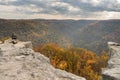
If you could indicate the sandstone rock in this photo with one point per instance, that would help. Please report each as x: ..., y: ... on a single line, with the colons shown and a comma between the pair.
x: 113, y: 70
x: 20, y: 62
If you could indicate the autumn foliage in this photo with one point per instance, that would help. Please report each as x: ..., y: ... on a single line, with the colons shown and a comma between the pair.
x: 79, y: 61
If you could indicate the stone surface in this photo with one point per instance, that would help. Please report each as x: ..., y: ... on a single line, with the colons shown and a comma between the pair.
x: 113, y: 70
x: 20, y: 62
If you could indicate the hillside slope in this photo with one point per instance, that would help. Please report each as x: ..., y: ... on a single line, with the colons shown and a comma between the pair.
x: 90, y: 34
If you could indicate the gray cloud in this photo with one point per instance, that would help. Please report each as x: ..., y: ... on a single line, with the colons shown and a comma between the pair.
x: 96, y: 5
x: 78, y: 8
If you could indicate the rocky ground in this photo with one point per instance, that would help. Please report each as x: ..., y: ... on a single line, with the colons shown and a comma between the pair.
x: 20, y: 62
x: 113, y: 70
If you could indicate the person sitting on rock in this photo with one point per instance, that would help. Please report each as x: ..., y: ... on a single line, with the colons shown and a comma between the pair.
x: 14, y: 38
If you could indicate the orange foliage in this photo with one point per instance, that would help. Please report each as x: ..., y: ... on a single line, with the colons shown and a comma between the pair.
x: 79, y: 61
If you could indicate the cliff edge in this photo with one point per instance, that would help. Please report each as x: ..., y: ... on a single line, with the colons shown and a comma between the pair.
x: 20, y: 62
x: 113, y: 70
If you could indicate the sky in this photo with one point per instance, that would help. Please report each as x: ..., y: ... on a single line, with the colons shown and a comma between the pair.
x: 60, y: 9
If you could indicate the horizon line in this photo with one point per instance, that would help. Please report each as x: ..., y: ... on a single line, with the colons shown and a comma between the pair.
x: 52, y: 19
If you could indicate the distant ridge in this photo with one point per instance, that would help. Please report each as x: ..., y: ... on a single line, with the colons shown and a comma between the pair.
x: 90, y: 34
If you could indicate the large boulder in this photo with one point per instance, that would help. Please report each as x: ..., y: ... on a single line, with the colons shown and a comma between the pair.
x: 20, y: 62
x: 113, y: 70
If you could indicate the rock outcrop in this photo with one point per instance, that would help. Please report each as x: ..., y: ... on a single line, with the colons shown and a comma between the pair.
x: 113, y: 70
x: 20, y: 62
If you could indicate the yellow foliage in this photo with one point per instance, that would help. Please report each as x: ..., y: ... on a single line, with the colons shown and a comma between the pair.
x: 62, y: 65
x: 79, y: 61
x: 4, y: 38
x: 91, y: 61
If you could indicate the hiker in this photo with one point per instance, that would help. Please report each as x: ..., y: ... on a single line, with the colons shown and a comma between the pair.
x: 14, y: 38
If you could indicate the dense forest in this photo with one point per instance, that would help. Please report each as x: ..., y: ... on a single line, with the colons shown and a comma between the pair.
x: 79, y: 61
x: 90, y: 34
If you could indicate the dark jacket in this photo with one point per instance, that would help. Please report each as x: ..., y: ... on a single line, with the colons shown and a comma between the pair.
x: 13, y: 36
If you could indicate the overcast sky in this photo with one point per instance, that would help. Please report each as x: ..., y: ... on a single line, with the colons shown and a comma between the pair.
x: 60, y: 9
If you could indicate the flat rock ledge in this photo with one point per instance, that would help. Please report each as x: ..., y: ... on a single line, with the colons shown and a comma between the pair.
x: 20, y: 62
x: 112, y: 72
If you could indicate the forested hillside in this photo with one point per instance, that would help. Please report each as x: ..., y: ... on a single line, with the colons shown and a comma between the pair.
x: 79, y: 61
x: 90, y: 34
